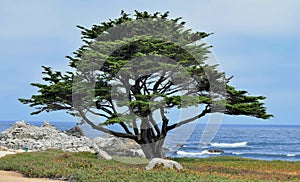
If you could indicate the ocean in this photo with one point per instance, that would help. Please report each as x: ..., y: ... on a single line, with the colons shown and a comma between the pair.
x: 247, y: 141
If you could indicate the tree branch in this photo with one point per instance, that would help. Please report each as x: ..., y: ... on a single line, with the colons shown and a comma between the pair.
x: 166, y: 87
x: 135, y: 129
x: 165, y: 122
x: 154, y: 124
x: 105, y: 130
x: 144, y: 86
x: 97, y: 114
x: 123, y: 125
x: 156, y: 85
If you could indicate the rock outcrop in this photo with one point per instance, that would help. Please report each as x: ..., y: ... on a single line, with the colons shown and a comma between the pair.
x: 216, y: 151
x: 25, y: 136
x: 75, y: 131
x: 119, y: 146
x: 165, y: 163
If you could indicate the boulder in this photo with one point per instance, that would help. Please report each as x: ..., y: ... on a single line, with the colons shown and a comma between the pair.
x: 20, y: 124
x: 75, y: 131
x: 103, y: 155
x: 165, y: 163
x: 119, y: 146
x: 47, y: 124
x: 215, y: 151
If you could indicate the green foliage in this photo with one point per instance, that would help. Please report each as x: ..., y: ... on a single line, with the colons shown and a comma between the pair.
x: 141, y: 63
x: 239, y: 103
x: 85, y: 166
x: 57, y: 95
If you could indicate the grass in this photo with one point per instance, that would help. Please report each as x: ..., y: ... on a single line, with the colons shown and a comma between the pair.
x: 85, y: 166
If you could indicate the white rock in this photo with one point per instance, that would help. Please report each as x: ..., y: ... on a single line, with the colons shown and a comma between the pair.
x: 166, y: 164
x: 84, y: 149
x: 47, y: 124
x: 20, y: 124
x: 102, y: 154
x: 138, y: 153
x: 49, y: 137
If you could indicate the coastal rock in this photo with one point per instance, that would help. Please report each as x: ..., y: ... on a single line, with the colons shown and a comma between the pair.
x: 119, y: 146
x: 20, y: 124
x: 165, y: 163
x: 23, y: 136
x: 103, y: 155
x: 215, y: 151
x: 47, y: 124
x: 75, y: 131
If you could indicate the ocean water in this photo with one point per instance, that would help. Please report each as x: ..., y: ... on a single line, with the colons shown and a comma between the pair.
x: 248, y: 141
x: 256, y: 142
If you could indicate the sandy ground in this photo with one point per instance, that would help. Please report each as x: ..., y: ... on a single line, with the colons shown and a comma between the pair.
x: 8, y: 176
x: 3, y: 153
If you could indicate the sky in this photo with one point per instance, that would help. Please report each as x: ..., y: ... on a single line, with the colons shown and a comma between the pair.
x: 256, y: 41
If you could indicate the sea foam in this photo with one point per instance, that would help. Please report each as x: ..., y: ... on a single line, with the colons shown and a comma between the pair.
x: 229, y: 145
x: 204, y: 152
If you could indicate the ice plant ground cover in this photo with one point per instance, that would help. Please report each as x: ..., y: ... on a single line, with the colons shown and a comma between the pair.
x: 86, y: 167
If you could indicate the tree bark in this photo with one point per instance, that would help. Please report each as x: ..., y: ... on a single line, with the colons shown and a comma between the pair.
x: 154, y: 149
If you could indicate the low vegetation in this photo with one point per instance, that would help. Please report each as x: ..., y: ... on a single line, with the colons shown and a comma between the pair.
x: 87, y: 167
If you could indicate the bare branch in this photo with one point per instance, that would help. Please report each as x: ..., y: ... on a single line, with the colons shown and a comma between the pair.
x: 154, y: 124
x: 156, y: 85
x: 105, y: 130
x: 165, y: 122
x: 122, y: 124
x: 97, y: 114
x: 144, y: 85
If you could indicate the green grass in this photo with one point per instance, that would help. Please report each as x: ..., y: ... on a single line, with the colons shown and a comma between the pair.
x: 86, y: 167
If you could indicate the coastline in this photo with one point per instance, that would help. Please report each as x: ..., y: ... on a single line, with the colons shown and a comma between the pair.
x: 272, y: 142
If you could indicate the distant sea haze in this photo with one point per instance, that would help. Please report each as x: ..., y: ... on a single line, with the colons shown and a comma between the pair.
x: 248, y: 141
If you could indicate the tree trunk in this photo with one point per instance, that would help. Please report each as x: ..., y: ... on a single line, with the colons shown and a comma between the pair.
x: 153, y: 150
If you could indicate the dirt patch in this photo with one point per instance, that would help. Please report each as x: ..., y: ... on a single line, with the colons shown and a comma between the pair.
x: 8, y: 176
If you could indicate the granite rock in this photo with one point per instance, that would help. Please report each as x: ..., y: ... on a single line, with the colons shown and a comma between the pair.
x: 25, y: 136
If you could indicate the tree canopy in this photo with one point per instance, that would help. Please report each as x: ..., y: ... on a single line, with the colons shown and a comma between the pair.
x: 135, y: 68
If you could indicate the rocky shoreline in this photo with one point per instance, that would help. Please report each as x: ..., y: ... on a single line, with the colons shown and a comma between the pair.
x: 25, y: 137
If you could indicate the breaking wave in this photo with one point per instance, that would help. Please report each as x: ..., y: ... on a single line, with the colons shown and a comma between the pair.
x: 204, y: 152
x: 291, y: 155
x: 229, y: 145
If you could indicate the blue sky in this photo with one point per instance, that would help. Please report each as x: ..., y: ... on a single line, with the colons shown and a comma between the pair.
x: 257, y: 41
